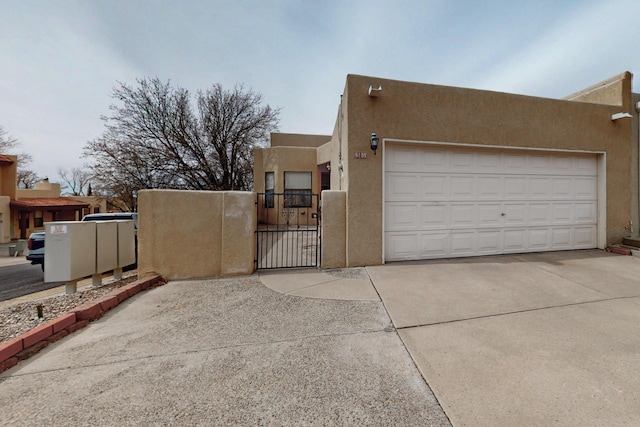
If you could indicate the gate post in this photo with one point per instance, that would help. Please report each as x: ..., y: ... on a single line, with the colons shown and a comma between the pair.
x: 334, y: 229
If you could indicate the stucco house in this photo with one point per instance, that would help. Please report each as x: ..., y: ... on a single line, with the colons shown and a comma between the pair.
x: 463, y: 172
x: 23, y: 211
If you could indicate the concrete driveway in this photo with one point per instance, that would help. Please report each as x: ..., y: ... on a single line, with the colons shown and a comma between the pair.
x: 536, y: 339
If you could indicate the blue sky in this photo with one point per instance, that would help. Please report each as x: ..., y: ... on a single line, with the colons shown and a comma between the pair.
x: 61, y: 59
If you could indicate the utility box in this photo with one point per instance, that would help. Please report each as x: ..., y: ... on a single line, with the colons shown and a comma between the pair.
x: 69, y: 251
x: 126, y: 243
x: 106, y: 246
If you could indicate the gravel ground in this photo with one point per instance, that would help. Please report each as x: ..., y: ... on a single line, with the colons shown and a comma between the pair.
x: 22, y: 317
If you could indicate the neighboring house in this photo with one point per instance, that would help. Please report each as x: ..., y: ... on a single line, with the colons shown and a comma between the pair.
x: 23, y: 211
x: 465, y: 172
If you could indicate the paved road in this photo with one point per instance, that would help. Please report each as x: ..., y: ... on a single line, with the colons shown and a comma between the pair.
x: 22, y: 279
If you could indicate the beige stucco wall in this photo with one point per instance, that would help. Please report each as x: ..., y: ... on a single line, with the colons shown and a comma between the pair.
x: 42, y: 190
x: 613, y: 91
x: 333, y: 241
x: 204, y: 234
x: 421, y: 112
x: 9, y: 177
x: 297, y: 140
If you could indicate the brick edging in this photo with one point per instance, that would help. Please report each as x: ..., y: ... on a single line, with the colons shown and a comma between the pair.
x: 29, y: 343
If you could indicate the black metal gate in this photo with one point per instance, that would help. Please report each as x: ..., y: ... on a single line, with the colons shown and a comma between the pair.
x: 288, y: 234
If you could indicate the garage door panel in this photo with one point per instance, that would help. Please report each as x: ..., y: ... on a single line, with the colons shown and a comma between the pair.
x: 435, y: 216
x: 562, y: 213
x: 515, y: 214
x: 539, y: 164
x: 463, y: 187
x: 515, y: 187
x: 402, y: 217
x: 585, y: 165
x: 489, y: 242
x: 514, y: 163
x: 586, y: 212
x: 490, y: 187
x: 432, y: 161
x: 561, y: 238
x: 463, y: 243
x: 402, y: 246
x: 434, y: 187
x: 489, y: 163
x: 515, y: 240
x: 401, y: 187
x: 585, y: 237
x: 489, y: 214
x: 402, y: 158
x: 447, y: 202
x: 562, y: 188
x: 540, y: 188
x: 540, y: 239
x: 586, y: 188
x: 463, y: 215
x: 563, y: 165
x: 434, y: 244
x: 462, y: 162
x: 540, y: 213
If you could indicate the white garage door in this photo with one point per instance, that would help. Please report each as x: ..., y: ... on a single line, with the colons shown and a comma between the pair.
x: 445, y: 202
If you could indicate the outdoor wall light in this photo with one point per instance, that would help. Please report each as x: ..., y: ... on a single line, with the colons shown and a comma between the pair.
x: 374, y: 142
x: 617, y: 116
x: 373, y: 91
x: 328, y: 165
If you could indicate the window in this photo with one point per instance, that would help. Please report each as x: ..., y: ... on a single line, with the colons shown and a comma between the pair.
x: 269, y: 189
x: 297, y: 189
x: 37, y: 219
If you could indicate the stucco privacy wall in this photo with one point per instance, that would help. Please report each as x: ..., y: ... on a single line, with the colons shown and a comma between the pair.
x: 333, y: 241
x: 191, y: 234
x: 422, y: 112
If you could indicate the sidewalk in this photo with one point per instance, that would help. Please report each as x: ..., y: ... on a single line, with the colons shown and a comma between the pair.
x: 6, y: 259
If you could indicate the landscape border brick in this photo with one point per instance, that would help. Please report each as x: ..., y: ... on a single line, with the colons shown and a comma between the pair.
x: 108, y: 302
x: 63, y: 322
x: 88, y: 311
x: 31, y: 342
x: 37, y: 334
x: 10, y: 348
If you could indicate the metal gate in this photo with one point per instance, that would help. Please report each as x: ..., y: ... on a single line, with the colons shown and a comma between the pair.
x: 288, y: 234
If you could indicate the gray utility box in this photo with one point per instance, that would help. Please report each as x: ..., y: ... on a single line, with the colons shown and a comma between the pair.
x: 69, y: 250
x: 126, y: 243
x: 106, y: 246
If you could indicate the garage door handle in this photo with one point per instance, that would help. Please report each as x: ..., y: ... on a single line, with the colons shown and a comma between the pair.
x: 502, y: 214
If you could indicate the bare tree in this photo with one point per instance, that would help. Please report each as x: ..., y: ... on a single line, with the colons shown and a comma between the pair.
x: 75, y: 181
x: 156, y: 137
x: 26, y: 177
x: 7, y: 143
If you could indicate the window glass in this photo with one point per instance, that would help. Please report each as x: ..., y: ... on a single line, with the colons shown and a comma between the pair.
x: 297, y: 188
x: 37, y: 219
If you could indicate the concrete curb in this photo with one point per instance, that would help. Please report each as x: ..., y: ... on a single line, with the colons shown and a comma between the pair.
x: 29, y: 343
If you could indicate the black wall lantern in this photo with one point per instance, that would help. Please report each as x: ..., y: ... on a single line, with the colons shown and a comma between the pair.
x: 374, y: 142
